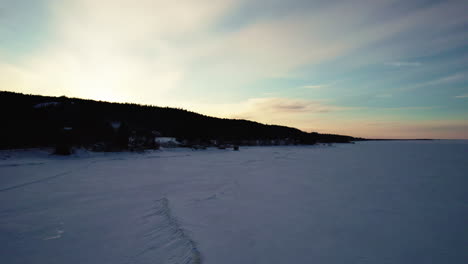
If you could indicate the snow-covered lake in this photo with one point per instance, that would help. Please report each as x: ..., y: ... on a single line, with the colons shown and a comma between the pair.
x: 369, y: 202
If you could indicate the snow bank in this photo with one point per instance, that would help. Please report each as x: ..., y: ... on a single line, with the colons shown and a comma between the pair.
x: 46, y: 104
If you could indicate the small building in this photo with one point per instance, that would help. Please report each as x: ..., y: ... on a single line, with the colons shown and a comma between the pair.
x: 167, y: 142
x: 140, y: 140
x: 64, y: 142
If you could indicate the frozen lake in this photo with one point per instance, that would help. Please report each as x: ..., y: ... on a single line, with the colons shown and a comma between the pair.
x: 369, y: 202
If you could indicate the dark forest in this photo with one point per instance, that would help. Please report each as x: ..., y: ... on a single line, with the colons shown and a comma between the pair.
x: 44, y: 121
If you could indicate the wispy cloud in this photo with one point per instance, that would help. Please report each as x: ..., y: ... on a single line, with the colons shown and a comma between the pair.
x: 404, y: 64
x: 153, y: 46
x: 449, y: 79
x: 317, y: 86
x: 271, y: 110
x: 406, y: 108
x: 280, y: 105
x: 462, y: 96
x: 116, y: 50
x: 286, y: 111
x: 395, y: 128
x: 386, y: 95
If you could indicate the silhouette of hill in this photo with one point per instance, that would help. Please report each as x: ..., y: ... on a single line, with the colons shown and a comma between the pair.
x: 37, y: 121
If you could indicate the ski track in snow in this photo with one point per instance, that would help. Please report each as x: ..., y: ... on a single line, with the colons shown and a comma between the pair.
x: 36, y: 181
x: 59, y: 174
x: 21, y: 185
x: 21, y: 164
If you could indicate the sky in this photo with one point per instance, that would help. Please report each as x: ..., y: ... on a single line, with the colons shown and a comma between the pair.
x: 366, y: 68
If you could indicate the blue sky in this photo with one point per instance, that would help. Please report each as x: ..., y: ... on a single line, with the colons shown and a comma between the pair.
x: 366, y: 68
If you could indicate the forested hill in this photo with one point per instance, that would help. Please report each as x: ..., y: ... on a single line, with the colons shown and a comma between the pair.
x: 33, y: 121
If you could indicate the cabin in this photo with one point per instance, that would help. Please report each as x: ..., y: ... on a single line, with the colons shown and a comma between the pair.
x: 167, y: 142
x: 140, y: 140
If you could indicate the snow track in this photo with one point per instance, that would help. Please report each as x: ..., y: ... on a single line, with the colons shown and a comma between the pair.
x: 166, y: 241
x: 44, y: 179
x: 33, y: 182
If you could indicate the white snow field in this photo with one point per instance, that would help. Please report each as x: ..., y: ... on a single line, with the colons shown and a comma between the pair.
x: 369, y: 202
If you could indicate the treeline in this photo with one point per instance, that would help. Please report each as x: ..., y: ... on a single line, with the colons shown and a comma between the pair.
x: 38, y: 121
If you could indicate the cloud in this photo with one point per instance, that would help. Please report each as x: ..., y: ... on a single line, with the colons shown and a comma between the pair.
x: 404, y: 64
x: 451, y: 78
x: 386, y: 95
x: 154, y: 47
x: 462, y: 96
x: 284, y: 111
x: 392, y: 127
x: 287, y: 105
x: 137, y: 20
x: 115, y: 50
x: 314, y: 86
x: 294, y: 39
x: 446, y: 80
x: 435, y: 129
x: 265, y: 47
x: 270, y: 110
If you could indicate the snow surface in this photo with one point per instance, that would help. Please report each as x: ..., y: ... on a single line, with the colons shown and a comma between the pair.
x: 370, y: 202
x: 46, y: 104
x: 165, y: 139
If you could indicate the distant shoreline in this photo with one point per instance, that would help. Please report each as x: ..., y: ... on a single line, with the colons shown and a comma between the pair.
x: 403, y: 139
